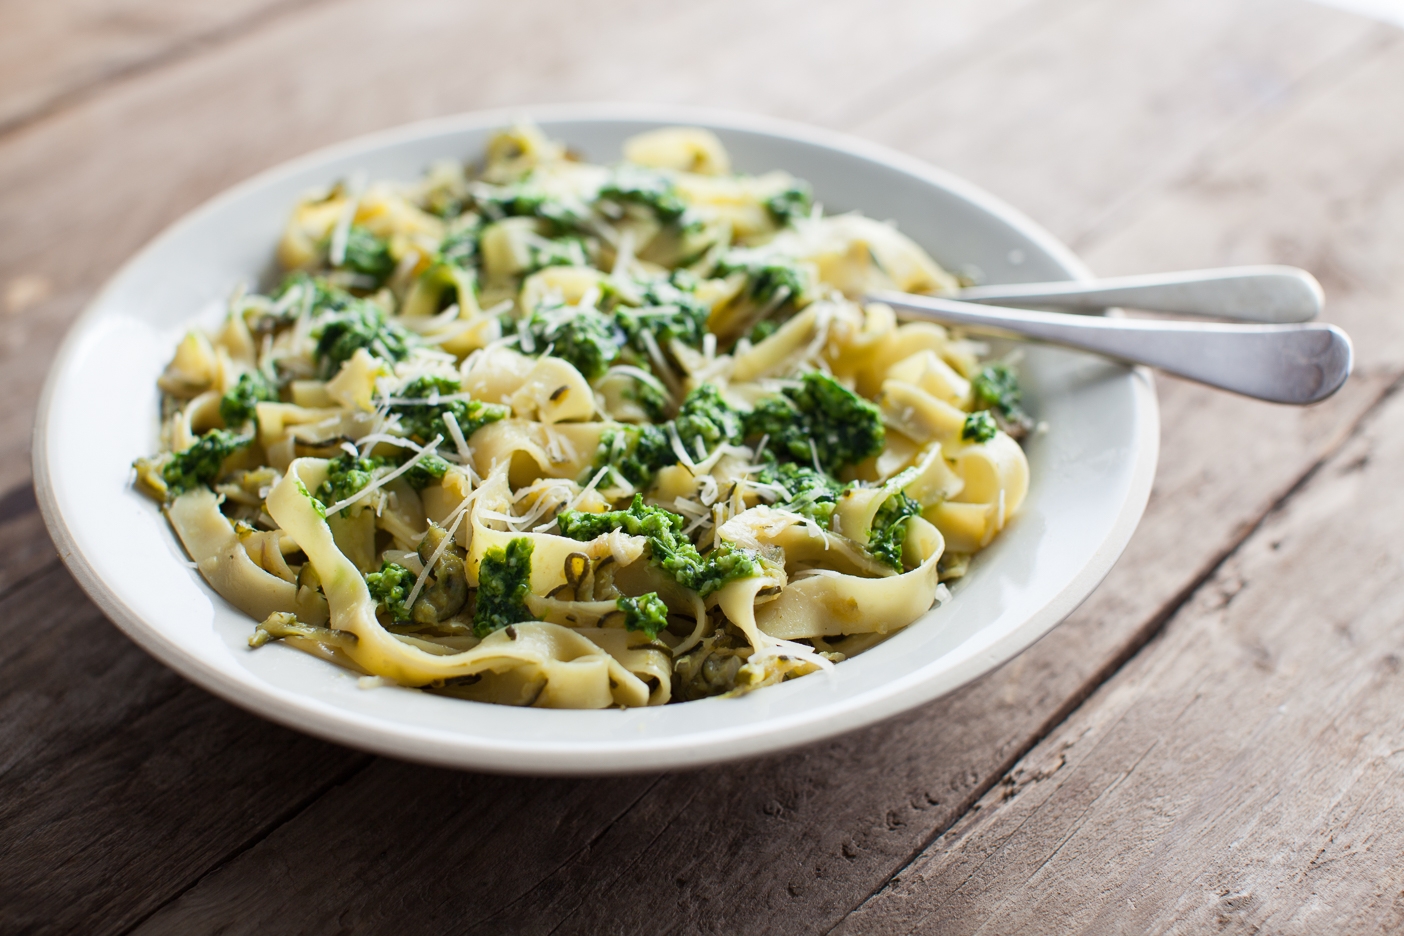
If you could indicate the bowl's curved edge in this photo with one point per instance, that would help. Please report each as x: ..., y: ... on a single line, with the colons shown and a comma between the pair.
x: 340, y: 727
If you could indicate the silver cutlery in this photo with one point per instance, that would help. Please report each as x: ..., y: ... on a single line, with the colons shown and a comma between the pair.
x: 1274, y: 294
x: 1282, y: 363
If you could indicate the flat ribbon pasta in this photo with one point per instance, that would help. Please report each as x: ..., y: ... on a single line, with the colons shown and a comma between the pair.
x: 827, y: 604
x: 222, y: 559
x: 577, y: 672
x: 538, y: 432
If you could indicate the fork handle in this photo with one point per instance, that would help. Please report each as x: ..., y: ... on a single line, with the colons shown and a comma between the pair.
x: 1296, y: 364
x: 1275, y: 294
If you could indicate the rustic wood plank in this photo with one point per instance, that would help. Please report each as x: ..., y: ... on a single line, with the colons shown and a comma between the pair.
x: 104, y: 176
x: 827, y: 838
x: 55, y: 51
x: 1242, y: 773
x: 1276, y: 195
x: 72, y: 214
x: 25, y: 547
x: 120, y: 783
x: 1113, y: 99
x: 753, y: 847
x: 797, y: 838
x: 1318, y: 187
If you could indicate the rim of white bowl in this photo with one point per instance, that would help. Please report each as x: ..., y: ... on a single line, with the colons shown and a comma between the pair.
x: 311, y: 716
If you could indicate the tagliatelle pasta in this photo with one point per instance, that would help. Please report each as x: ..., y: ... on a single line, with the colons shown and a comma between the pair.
x: 541, y: 432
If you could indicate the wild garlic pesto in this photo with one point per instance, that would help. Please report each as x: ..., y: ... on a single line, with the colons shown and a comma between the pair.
x: 536, y: 431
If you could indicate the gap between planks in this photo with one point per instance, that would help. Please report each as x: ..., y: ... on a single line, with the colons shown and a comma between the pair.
x: 178, y: 50
x: 1139, y: 639
x: 345, y: 775
x: 1150, y: 813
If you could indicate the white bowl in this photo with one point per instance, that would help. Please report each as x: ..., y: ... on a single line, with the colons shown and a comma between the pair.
x: 1091, y: 470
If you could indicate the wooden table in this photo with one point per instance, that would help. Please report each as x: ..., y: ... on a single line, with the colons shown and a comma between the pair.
x: 1213, y: 741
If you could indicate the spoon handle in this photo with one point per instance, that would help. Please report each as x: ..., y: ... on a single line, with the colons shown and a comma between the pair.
x: 1297, y: 364
x: 1273, y: 294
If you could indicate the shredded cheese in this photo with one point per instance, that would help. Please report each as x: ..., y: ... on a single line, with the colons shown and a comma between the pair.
x: 385, y: 479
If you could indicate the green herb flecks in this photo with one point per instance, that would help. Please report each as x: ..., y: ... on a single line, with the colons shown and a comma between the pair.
x: 368, y: 255
x: 587, y: 339
x: 842, y: 427
x: 645, y: 613
x: 890, y: 529
x: 669, y: 549
x: 390, y: 587
x: 201, y: 464
x: 239, y: 402
x: 979, y: 427
x: 421, y: 422
x: 504, y: 580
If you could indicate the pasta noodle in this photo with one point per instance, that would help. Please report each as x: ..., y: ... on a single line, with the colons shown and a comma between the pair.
x: 541, y: 432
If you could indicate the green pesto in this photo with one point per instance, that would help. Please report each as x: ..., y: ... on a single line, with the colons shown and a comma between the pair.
x: 705, y: 415
x: 650, y: 399
x: 979, y: 427
x: 390, y: 587
x: 526, y: 200
x: 636, y: 452
x: 769, y: 278
x: 646, y: 449
x: 460, y: 248
x: 237, y: 406
x: 317, y: 293
x: 563, y: 251
x: 346, y: 476
x: 638, y: 186
x: 422, y: 421
x: 587, y: 339
x: 368, y: 255
x: 356, y: 324
x: 995, y: 387
x: 843, y: 427
x: 504, y: 579
x: 321, y: 512
x: 425, y: 472
x: 201, y: 463
x: 669, y: 549
x: 812, y: 494
x: 669, y: 310
x: 890, y: 529
x: 794, y: 202
x: 645, y: 613
x: 762, y: 330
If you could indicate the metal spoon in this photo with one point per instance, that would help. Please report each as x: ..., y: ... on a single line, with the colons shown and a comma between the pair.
x: 1280, y: 363
x: 1274, y: 294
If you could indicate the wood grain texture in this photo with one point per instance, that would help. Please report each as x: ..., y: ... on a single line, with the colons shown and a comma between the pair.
x: 1111, y: 100
x: 1320, y: 185
x: 801, y: 837
x: 756, y: 847
x: 780, y: 845
x: 54, y: 51
x: 1243, y: 774
x: 119, y: 782
x: 25, y: 547
x: 86, y: 188
x: 1274, y: 195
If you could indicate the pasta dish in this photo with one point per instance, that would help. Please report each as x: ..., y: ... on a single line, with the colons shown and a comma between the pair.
x: 536, y: 431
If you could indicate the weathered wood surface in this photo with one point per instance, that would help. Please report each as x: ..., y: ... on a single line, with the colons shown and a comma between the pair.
x: 130, y: 794
x: 1242, y: 773
x: 104, y: 753
x: 1217, y: 794
x: 52, y: 53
